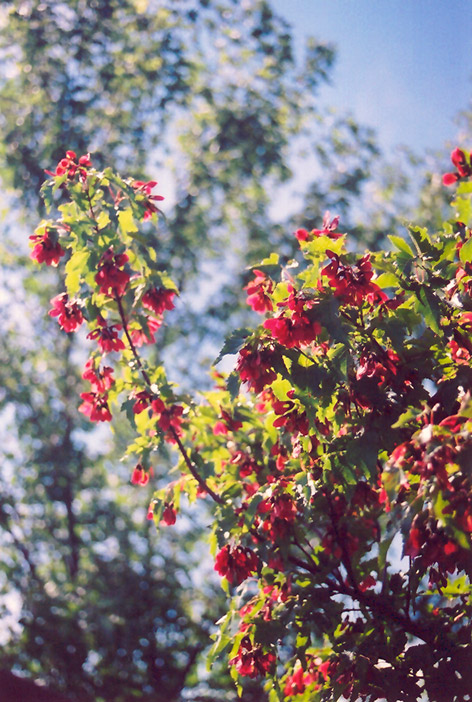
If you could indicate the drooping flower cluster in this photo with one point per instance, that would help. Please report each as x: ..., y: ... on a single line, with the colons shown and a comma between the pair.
x: 111, y: 278
x: 106, y: 336
x: 256, y: 366
x: 101, y: 380
x: 140, y: 476
x: 251, y: 660
x: 95, y: 406
x: 462, y: 162
x: 148, y: 199
x: 258, y: 292
x: 296, y: 324
x: 68, y: 312
x: 158, y: 300
x: 71, y: 167
x: 235, y: 563
x: 329, y: 229
x: 353, y: 284
x: 46, y: 248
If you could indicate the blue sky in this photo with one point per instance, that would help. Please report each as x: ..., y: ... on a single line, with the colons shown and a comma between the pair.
x: 403, y: 67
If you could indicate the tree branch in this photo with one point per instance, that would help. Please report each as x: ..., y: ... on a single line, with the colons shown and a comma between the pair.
x: 188, y: 462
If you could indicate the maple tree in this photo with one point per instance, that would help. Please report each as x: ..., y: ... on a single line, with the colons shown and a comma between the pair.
x: 339, y: 471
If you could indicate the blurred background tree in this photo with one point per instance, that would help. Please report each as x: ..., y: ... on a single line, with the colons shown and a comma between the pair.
x: 209, y: 96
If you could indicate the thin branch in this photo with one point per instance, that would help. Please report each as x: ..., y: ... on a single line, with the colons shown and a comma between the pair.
x: 192, y: 468
x: 188, y: 462
x: 92, y: 213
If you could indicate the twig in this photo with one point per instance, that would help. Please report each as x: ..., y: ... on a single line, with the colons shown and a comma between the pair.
x: 203, y: 484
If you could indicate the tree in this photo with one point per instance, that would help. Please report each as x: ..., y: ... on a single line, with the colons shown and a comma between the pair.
x: 234, y: 158
x: 107, y: 609
x: 86, y: 77
x: 116, y: 77
x: 353, y: 438
x: 111, y: 73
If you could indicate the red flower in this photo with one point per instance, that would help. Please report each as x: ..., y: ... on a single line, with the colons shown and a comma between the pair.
x: 247, y: 464
x: 329, y: 228
x: 158, y: 300
x: 95, y: 406
x: 101, y: 380
x: 381, y: 368
x: 294, y: 420
x: 302, y: 234
x: 46, y: 250
x: 255, y: 367
x: 368, y: 582
x: 459, y: 354
x: 111, y: 277
x: 171, y: 417
x: 295, y: 684
x: 106, y: 336
x: 300, y: 679
x: 169, y: 515
x: 226, y: 424
x: 168, y: 418
x: 251, y: 661
x: 69, y: 165
x: 143, y: 401
x: 235, y: 563
x: 280, y: 512
x: 258, y: 291
x: 462, y: 163
x: 294, y: 327
x: 353, y: 284
x: 158, y: 406
x: 140, y: 336
x: 139, y: 475
x: 69, y: 314
x: 146, y: 189
x: 297, y: 331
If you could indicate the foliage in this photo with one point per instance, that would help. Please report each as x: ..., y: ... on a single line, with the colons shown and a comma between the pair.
x: 217, y: 89
x: 107, y: 608
x: 105, y: 75
x: 351, y: 439
x: 134, y: 81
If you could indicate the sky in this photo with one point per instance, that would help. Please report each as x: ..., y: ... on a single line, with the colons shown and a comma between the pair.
x: 403, y: 67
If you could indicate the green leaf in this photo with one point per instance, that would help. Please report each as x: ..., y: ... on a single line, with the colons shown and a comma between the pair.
x: 384, y: 546
x: 387, y: 280
x: 463, y: 209
x: 429, y: 305
x: 464, y: 188
x: 75, y: 267
x: 459, y: 586
x: 407, y: 416
x: 401, y: 245
x: 163, y: 280
x: 233, y: 343
x: 47, y: 195
x: 421, y: 238
x: 233, y: 383
x: 103, y: 219
x: 127, y: 223
x: 465, y: 254
x: 321, y: 244
x: 270, y: 265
